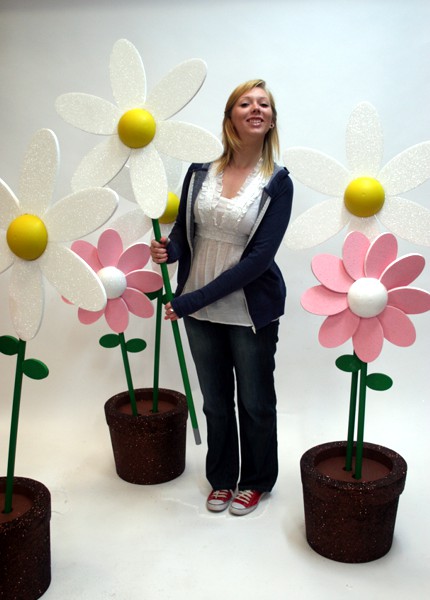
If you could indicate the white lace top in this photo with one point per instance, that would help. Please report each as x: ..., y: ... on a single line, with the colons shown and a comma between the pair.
x: 223, y: 226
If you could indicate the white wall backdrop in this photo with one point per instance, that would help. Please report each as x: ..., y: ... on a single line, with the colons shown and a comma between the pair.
x: 320, y: 58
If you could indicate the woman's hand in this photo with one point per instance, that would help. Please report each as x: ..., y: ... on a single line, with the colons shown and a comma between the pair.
x: 159, y: 251
x: 170, y: 314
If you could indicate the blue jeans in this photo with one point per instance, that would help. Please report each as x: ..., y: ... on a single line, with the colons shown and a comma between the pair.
x: 223, y: 355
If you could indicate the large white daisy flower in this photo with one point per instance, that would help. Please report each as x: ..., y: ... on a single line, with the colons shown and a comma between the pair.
x: 366, y: 193
x: 31, y: 232
x: 134, y: 224
x: 138, y: 127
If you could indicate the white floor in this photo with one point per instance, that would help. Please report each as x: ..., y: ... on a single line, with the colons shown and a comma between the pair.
x: 114, y: 540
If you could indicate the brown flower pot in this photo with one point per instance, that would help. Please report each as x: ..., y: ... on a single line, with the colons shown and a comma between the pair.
x: 148, y: 448
x: 25, y: 548
x: 351, y: 520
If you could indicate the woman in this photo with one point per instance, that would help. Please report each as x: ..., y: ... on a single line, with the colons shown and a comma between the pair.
x: 232, y: 218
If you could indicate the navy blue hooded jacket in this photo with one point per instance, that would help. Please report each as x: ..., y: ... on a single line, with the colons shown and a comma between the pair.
x: 257, y: 273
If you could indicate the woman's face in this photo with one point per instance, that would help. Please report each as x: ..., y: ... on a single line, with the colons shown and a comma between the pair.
x: 252, y: 114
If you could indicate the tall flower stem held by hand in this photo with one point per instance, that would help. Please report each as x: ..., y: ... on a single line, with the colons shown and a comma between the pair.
x: 178, y: 342
x: 158, y: 316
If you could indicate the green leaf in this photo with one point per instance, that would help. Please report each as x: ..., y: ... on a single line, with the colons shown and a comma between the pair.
x: 350, y: 363
x: 153, y: 295
x: 8, y: 345
x: 135, y: 345
x: 379, y: 382
x: 110, y: 340
x: 35, y: 369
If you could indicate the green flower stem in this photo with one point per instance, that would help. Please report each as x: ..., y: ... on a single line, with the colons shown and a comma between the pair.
x: 128, y: 374
x: 179, y: 348
x: 360, y: 423
x: 351, y: 421
x: 19, y: 373
x: 157, y: 352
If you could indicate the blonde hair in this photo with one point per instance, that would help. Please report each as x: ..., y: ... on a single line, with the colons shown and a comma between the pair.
x: 231, y: 140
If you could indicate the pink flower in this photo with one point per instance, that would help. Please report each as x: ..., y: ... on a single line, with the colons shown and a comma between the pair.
x: 123, y: 277
x: 365, y: 295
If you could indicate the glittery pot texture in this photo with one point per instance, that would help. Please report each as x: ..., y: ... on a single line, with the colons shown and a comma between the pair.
x: 351, y: 521
x: 148, y: 448
x: 25, y: 548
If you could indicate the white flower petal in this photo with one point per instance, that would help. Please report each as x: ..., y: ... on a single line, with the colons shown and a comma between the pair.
x: 317, y: 170
x: 101, y: 164
x: 132, y: 226
x: 317, y: 224
x: 72, y: 277
x: 407, y: 219
x: 26, y: 298
x: 7, y: 257
x: 89, y: 113
x: 173, y: 168
x: 364, y: 141
x: 367, y: 225
x: 407, y: 170
x: 149, y: 182
x: 176, y: 89
x: 80, y: 213
x: 39, y: 172
x: 127, y: 76
x: 187, y: 142
x: 9, y: 205
x: 121, y: 184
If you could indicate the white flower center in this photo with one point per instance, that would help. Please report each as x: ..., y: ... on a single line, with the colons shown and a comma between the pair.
x: 113, y: 281
x: 367, y: 297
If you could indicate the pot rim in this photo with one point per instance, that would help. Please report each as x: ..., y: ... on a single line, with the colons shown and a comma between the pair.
x: 178, y: 407
x: 37, y: 493
x: 391, y: 459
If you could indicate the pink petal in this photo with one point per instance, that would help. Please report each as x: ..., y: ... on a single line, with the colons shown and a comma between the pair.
x: 321, y: 301
x: 133, y: 258
x: 138, y: 303
x: 368, y: 339
x: 354, y: 252
x: 110, y: 248
x: 337, y: 329
x: 329, y: 270
x: 403, y: 271
x: 145, y: 281
x: 382, y: 252
x: 116, y: 314
x: 398, y: 328
x: 88, y: 253
x: 87, y: 317
x: 411, y: 301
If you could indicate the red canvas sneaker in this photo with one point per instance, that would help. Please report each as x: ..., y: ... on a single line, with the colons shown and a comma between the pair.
x: 218, y: 500
x: 245, y: 502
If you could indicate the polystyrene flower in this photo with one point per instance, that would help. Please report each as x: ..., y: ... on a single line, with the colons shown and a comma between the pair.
x: 366, y: 295
x: 364, y: 194
x: 134, y: 224
x: 33, y: 232
x: 138, y: 127
x: 123, y: 277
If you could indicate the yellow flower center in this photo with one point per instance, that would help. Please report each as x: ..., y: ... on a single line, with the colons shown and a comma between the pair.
x: 136, y: 128
x: 27, y: 237
x: 364, y: 197
x: 172, y: 206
